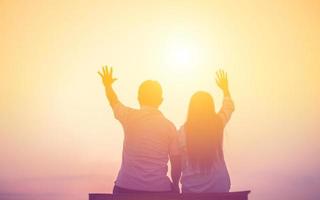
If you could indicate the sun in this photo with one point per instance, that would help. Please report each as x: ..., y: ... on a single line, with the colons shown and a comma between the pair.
x: 182, y: 55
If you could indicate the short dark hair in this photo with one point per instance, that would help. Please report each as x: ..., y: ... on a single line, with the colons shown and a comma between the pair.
x: 150, y: 93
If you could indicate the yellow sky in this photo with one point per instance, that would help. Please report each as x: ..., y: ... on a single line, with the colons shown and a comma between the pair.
x: 57, y: 129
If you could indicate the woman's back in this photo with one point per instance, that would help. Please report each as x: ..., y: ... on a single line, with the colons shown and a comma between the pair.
x: 195, y: 180
x: 201, y: 142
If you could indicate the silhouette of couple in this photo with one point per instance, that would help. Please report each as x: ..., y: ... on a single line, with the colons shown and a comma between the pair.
x: 150, y: 140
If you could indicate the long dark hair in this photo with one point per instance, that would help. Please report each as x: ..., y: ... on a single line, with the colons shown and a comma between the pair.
x: 203, y: 130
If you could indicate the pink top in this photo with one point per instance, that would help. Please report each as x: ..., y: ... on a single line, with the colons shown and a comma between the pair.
x: 217, y: 179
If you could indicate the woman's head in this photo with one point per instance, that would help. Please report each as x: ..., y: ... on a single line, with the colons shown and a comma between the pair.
x: 201, y: 105
x: 203, y: 131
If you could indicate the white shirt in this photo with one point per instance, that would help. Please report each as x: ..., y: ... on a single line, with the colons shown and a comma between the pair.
x: 149, y: 139
x: 217, y: 179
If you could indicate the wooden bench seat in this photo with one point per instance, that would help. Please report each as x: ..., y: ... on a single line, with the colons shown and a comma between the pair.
x: 242, y: 195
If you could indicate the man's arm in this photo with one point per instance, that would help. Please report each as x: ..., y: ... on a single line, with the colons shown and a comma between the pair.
x: 108, y: 80
x: 175, y: 172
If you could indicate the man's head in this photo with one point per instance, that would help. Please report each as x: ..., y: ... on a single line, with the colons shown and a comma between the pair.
x: 150, y: 94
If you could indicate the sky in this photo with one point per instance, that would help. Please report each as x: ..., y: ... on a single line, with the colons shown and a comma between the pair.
x: 59, y: 138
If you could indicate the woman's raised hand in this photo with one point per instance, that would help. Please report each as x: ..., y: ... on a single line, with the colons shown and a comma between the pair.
x: 222, y: 80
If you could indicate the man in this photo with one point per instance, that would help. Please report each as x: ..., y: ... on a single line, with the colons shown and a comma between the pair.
x: 149, y: 141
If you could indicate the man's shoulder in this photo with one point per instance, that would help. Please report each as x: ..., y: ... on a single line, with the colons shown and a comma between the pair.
x: 165, y: 119
x: 123, y: 113
x: 170, y: 124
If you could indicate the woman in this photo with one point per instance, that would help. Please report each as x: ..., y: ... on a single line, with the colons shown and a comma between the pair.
x: 201, y: 141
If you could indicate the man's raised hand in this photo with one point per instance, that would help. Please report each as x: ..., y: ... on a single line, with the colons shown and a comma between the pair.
x: 106, y: 76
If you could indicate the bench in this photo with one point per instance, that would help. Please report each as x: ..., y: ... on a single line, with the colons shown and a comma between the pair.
x: 242, y: 195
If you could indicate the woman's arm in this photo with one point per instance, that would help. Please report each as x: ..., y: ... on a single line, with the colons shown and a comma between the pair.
x: 222, y: 82
x: 227, y: 106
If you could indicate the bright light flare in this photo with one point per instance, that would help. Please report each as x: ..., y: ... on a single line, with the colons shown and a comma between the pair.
x: 182, y: 55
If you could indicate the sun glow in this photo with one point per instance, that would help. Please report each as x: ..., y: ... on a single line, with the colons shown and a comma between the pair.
x: 182, y: 55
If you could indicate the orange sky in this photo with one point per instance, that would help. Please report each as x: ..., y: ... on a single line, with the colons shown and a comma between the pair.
x: 58, y: 134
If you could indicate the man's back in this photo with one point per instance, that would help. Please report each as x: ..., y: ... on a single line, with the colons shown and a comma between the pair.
x: 149, y: 138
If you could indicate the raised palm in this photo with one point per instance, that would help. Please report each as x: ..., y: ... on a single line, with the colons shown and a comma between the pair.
x: 106, y: 76
x: 222, y: 80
